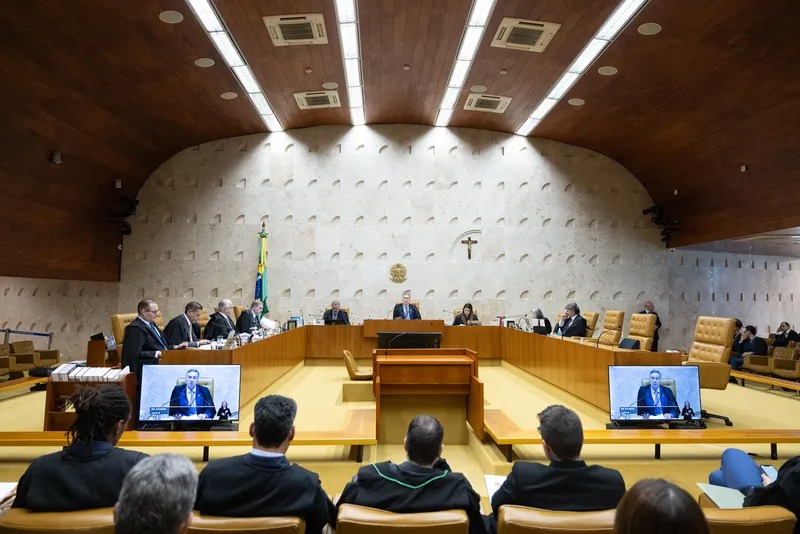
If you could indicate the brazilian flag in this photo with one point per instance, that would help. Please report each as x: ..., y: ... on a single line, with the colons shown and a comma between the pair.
x: 261, y: 272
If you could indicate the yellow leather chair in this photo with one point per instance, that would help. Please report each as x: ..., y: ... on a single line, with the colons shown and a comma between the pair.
x: 202, y: 322
x: 612, y: 326
x: 523, y: 520
x: 43, y: 358
x: 120, y: 321
x: 345, y: 309
x: 21, y: 521
x: 642, y: 327
x: 17, y: 363
x: 591, y: 322
x: 355, y: 372
x: 207, y: 524
x: 710, y: 351
x: 786, y: 364
x: 237, y: 311
x: 354, y: 519
x: 750, y: 520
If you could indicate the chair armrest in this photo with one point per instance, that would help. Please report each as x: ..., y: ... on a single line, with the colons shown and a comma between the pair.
x: 26, y: 357
x: 756, y: 359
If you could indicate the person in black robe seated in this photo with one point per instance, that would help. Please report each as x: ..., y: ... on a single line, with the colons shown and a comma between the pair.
x: 89, y: 472
x: 336, y: 315
x: 571, y: 323
x: 548, y: 328
x: 224, y: 413
x: 249, y: 318
x: 184, y: 328
x: 784, y: 335
x: 424, y: 483
x: 220, y: 324
x: 467, y: 317
x: 263, y: 483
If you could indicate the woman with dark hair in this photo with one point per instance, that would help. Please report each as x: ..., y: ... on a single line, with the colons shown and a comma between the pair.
x: 224, y: 412
x: 687, y: 413
x: 656, y: 506
x: 467, y: 317
x: 89, y: 471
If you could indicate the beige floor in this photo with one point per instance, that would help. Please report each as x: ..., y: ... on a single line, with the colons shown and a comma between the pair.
x: 317, y: 390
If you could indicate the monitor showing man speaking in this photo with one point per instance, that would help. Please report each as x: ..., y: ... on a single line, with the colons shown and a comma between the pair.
x: 190, y: 392
x: 669, y: 392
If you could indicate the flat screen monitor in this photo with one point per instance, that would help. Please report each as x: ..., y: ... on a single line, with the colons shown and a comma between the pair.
x: 409, y: 340
x: 167, y: 393
x: 642, y: 393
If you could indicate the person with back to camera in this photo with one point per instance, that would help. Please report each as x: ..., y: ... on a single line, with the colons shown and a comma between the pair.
x: 567, y: 483
x: 191, y: 399
x: 467, y: 317
x: 224, y: 412
x: 537, y: 314
x: 655, y: 506
x: 89, y: 471
x: 654, y: 400
x: 687, y: 413
x: 571, y: 323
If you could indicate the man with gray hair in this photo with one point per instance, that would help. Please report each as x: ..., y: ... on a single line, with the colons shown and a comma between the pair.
x: 571, y: 323
x: 263, y: 483
x: 249, y: 319
x: 336, y: 315
x: 157, y: 496
x: 220, y: 324
x: 566, y: 484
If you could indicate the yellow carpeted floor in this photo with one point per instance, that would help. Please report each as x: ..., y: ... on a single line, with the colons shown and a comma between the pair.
x: 318, y: 392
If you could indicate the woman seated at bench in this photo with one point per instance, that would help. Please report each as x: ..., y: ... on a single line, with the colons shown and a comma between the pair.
x: 88, y: 473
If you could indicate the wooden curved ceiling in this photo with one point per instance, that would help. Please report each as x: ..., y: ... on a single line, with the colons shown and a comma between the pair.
x: 116, y: 91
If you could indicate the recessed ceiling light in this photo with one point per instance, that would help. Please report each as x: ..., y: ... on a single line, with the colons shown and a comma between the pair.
x: 608, y: 70
x: 650, y: 28
x: 170, y: 17
x: 576, y: 101
x: 478, y: 88
x: 330, y: 85
x: 406, y: 67
x: 308, y: 70
x: 503, y: 72
x: 229, y: 95
x: 204, y: 62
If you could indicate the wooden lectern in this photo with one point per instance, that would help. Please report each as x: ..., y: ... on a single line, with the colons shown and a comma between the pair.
x: 433, y: 381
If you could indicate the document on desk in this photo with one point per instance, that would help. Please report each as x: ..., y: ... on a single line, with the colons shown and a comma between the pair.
x: 5, y: 490
x: 726, y: 498
x: 493, y: 483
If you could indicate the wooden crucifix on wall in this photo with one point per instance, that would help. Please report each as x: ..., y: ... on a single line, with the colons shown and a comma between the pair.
x: 469, y: 242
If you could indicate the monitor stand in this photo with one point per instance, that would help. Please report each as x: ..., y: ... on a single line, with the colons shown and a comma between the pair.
x: 691, y: 424
x: 183, y: 426
x: 635, y: 425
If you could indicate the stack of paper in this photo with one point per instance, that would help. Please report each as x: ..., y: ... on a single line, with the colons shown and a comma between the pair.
x: 71, y: 372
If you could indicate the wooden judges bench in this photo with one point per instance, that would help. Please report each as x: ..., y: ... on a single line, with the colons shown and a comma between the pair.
x: 579, y: 368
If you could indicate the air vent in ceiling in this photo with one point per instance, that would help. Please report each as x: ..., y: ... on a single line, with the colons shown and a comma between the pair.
x: 521, y: 34
x: 318, y: 99
x: 487, y: 103
x: 290, y: 30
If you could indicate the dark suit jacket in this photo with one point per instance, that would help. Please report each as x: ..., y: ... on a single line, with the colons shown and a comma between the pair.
x: 658, y: 323
x: 246, y: 321
x: 459, y: 320
x: 177, y: 330
x: 784, y: 491
x: 409, y: 488
x: 577, y: 328
x: 219, y: 324
x: 756, y: 345
x: 341, y: 316
x: 565, y: 486
x: 254, y: 486
x: 782, y: 340
x: 76, y: 478
x: 140, y: 346
x: 179, y: 404
x: 398, y: 312
x: 644, y: 401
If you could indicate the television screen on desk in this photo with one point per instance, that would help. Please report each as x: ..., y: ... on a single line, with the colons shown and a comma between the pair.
x: 165, y: 395
x: 639, y: 393
x: 409, y: 340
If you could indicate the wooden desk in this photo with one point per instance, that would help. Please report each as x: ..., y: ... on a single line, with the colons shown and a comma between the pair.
x: 425, y: 376
x: 373, y: 326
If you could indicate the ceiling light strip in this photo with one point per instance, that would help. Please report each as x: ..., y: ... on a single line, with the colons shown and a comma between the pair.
x: 347, y: 17
x: 624, y: 12
x: 215, y: 28
x: 479, y: 16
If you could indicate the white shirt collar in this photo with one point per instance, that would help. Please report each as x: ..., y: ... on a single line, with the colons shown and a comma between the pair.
x: 265, y: 454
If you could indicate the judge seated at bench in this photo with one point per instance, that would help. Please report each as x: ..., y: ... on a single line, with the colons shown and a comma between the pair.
x: 467, y: 317
x: 249, y: 318
x: 571, y: 323
x: 184, y: 327
x: 191, y: 400
x: 656, y: 400
x: 336, y: 315
x: 406, y: 310
x: 220, y: 324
